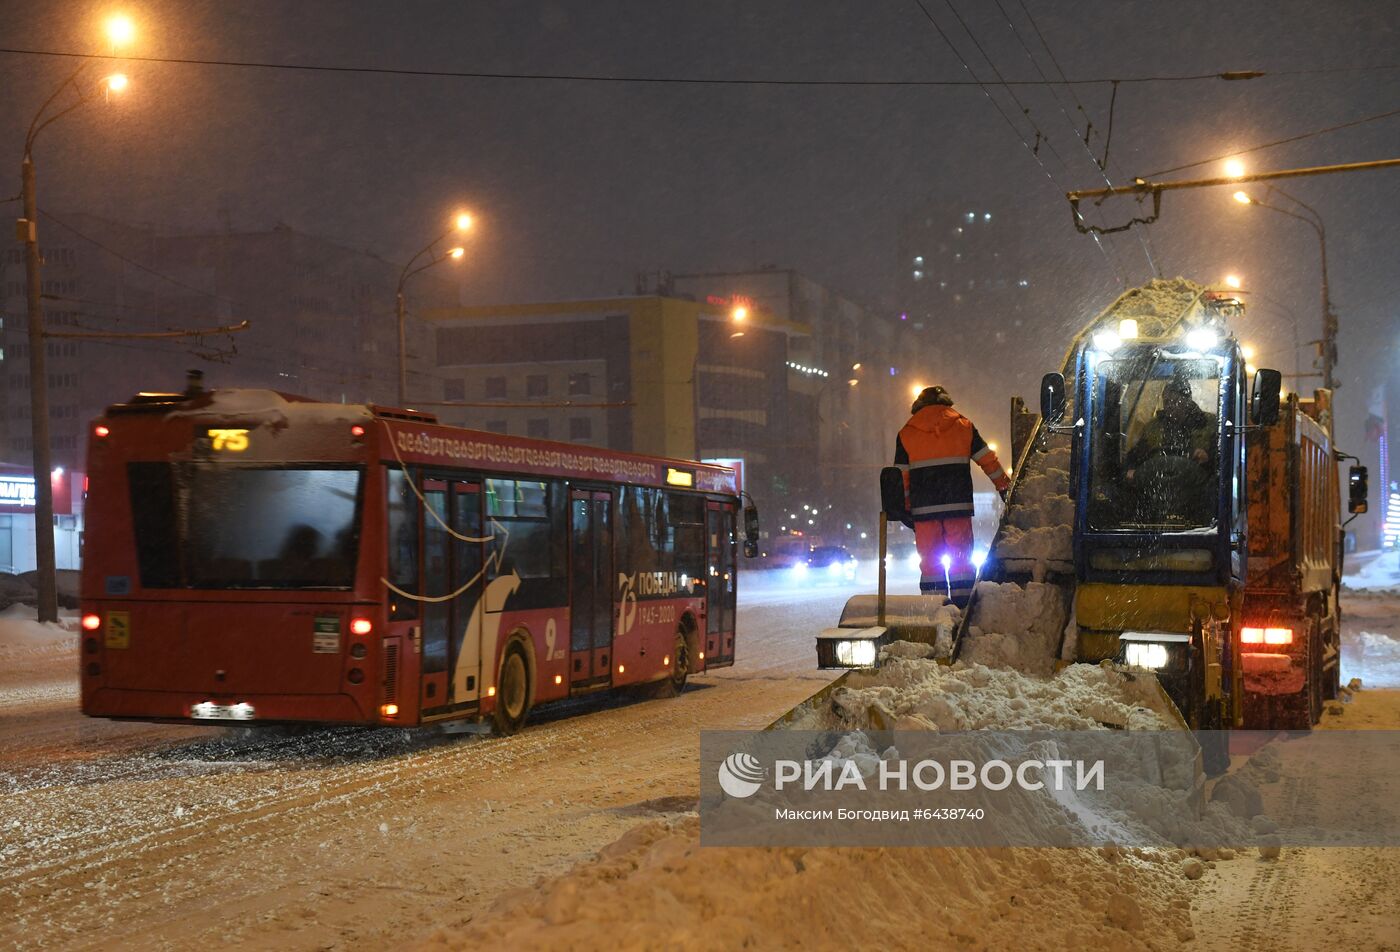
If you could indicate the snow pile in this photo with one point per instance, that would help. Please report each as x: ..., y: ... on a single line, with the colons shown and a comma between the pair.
x: 1037, y: 526
x: 20, y: 634
x: 22, y: 589
x: 1374, y: 658
x: 917, y: 693
x: 1016, y: 627
x: 1381, y: 575
x: 656, y: 888
x: 1157, y: 305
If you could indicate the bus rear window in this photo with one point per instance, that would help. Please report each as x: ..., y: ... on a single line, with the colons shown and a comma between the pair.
x: 243, y: 527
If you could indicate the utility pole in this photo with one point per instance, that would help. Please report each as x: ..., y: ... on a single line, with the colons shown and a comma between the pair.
x: 45, y: 563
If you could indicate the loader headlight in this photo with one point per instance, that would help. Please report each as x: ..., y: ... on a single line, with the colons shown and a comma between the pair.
x: 1146, y: 656
x: 855, y: 654
x: 1154, y: 650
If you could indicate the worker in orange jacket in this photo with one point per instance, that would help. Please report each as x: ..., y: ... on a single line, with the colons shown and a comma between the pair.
x: 934, y: 449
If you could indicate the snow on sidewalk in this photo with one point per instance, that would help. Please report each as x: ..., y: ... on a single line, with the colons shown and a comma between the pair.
x: 21, y: 634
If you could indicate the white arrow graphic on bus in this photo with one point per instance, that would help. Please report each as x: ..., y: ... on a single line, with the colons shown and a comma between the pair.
x: 486, y: 619
x: 483, y: 630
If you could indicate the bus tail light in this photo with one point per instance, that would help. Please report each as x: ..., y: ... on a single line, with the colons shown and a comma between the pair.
x: 357, y: 431
x: 389, y: 710
x: 1266, y: 636
x: 361, y: 626
x: 101, y: 431
x: 92, y: 622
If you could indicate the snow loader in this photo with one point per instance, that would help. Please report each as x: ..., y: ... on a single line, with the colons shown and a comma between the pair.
x: 1208, y: 550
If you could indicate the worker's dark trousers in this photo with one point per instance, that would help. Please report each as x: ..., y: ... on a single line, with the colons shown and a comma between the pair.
x: 951, y: 537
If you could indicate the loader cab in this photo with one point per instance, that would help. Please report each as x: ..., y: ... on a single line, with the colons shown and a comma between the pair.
x: 1159, y: 462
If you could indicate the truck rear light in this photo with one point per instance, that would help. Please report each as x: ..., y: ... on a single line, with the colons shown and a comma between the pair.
x: 1266, y: 636
x: 101, y: 430
x: 361, y: 626
x: 389, y: 710
x: 92, y: 622
x: 357, y: 431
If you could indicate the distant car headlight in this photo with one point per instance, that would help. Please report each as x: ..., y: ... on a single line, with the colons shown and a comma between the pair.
x: 834, y: 568
x: 914, y: 561
x: 800, y: 568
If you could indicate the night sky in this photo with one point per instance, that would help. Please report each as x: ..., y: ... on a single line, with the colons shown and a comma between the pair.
x: 578, y: 186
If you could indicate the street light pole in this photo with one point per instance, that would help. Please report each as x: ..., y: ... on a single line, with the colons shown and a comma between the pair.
x: 1329, y: 317
x: 44, y: 560
x: 464, y: 222
x: 45, y: 563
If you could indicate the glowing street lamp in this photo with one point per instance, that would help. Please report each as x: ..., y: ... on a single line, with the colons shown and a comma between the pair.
x: 120, y: 29
x: 116, y: 82
x: 739, y: 314
x: 1243, y: 198
x: 1234, y: 168
x: 916, y: 389
x: 463, y: 222
x: 1233, y: 281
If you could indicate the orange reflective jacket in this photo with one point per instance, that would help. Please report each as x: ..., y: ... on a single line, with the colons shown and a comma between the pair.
x: 934, y: 449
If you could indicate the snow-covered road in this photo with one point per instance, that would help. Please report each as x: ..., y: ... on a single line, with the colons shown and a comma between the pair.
x: 163, y: 836
x: 159, y: 836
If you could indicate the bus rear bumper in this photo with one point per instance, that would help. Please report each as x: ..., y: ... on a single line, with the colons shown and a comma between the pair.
x: 226, y: 710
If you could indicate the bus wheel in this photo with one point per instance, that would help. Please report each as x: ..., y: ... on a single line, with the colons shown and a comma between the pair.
x: 513, y: 692
x: 674, y: 683
x: 680, y: 670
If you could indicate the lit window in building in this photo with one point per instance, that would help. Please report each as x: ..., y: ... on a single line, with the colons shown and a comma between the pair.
x: 918, y: 262
x: 1023, y: 283
x: 987, y: 216
x: 971, y: 216
x: 918, y: 275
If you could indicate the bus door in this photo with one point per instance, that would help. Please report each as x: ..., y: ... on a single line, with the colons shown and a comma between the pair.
x: 720, y: 584
x: 451, y: 571
x: 590, y: 588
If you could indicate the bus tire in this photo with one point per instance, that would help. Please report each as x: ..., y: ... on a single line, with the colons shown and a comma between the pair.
x: 674, y: 683
x: 512, y: 691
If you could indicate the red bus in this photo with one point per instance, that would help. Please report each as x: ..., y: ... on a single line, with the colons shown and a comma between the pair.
x: 258, y: 557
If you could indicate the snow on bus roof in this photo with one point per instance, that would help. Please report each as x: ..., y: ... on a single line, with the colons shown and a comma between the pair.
x: 268, y: 408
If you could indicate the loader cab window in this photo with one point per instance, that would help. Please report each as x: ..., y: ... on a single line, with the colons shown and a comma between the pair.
x: 1154, y: 463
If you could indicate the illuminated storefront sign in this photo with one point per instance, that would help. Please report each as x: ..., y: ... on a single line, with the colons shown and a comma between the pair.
x: 16, y: 492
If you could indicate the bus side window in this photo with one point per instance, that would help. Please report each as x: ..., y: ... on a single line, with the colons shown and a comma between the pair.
x: 403, y: 544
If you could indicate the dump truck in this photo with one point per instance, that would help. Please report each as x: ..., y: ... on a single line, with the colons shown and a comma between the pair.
x: 1290, y: 637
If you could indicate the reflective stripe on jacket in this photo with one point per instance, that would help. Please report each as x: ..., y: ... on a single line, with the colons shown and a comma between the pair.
x: 934, y: 449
